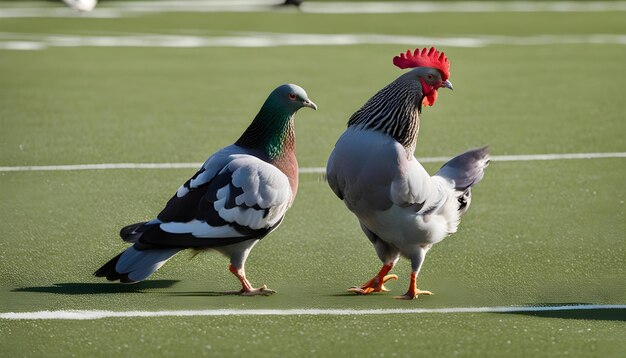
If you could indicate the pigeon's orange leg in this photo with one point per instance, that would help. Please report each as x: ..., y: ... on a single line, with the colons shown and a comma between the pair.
x: 413, y: 291
x: 377, y: 283
x: 247, y: 289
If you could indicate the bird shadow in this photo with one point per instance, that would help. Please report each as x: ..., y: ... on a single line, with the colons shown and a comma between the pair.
x: 200, y: 294
x: 347, y: 294
x: 81, y: 288
x: 596, y: 314
x: 209, y: 294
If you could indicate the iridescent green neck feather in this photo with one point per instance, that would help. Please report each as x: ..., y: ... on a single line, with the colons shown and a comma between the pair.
x: 271, y: 131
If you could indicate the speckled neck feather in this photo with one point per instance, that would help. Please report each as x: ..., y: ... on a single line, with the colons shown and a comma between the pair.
x: 394, y: 110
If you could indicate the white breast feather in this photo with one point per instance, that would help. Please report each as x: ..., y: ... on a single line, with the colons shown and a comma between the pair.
x: 200, y: 229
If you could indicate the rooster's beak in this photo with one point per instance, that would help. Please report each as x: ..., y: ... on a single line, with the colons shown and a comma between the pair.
x: 310, y: 104
x: 447, y: 84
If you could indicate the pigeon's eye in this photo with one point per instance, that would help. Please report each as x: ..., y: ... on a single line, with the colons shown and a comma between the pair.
x: 292, y: 96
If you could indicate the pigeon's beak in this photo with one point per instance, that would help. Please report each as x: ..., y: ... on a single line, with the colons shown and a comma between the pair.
x: 447, y: 84
x: 309, y: 103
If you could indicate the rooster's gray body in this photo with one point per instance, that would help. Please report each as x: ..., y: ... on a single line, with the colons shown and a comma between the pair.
x: 402, y: 210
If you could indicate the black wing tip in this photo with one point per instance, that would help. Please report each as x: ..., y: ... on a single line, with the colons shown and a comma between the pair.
x: 121, y: 277
x: 129, y: 230
x: 108, y: 270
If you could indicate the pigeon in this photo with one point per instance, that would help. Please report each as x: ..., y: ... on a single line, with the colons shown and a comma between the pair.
x: 402, y: 210
x: 238, y: 196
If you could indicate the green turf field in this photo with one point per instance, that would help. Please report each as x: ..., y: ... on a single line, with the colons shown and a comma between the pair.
x: 538, y: 232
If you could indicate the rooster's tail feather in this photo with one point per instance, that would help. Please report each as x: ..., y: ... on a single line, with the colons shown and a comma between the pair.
x: 466, y: 169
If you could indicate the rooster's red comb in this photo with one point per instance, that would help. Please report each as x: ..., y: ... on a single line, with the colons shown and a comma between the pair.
x: 424, y: 58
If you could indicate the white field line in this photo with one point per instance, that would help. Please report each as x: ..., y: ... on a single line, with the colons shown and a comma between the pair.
x: 304, y: 170
x: 104, y: 166
x: 137, y: 8
x: 17, y: 41
x: 400, y: 7
x: 97, y: 314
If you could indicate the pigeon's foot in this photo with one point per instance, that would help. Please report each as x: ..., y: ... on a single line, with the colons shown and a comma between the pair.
x: 261, y: 291
x: 247, y: 289
x: 413, y: 294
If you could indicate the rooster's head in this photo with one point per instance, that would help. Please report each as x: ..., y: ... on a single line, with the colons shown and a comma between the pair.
x: 432, y: 69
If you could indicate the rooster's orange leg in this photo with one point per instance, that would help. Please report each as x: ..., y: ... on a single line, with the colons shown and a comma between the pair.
x: 247, y: 289
x: 413, y: 291
x: 416, y: 264
x: 376, y: 284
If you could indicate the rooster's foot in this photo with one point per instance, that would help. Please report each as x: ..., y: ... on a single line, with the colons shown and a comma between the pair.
x: 373, y: 285
x: 411, y: 295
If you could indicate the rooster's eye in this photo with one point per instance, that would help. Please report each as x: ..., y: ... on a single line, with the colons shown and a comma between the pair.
x: 292, y: 96
x: 430, y: 76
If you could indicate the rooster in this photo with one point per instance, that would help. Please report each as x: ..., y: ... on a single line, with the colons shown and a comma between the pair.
x: 401, y: 208
x: 239, y: 195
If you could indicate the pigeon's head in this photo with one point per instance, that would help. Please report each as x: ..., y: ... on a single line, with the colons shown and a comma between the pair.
x: 272, y: 130
x: 430, y: 67
x: 291, y: 98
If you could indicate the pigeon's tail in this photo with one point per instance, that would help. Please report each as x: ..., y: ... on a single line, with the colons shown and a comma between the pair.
x: 465, y: 170
x: 134, y: 265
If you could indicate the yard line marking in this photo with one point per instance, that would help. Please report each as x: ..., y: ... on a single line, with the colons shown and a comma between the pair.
x: 304, y: 170
x: 16, y: 41
x: 101, y: 167
x: 97, y: 314
x: 137, y: 8
x: 400, y: 7
x: 530, y: 157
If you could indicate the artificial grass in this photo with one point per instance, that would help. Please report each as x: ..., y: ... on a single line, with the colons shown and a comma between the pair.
x: 94, y: 105
x: 464, y: 335
x: 538, y: 233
